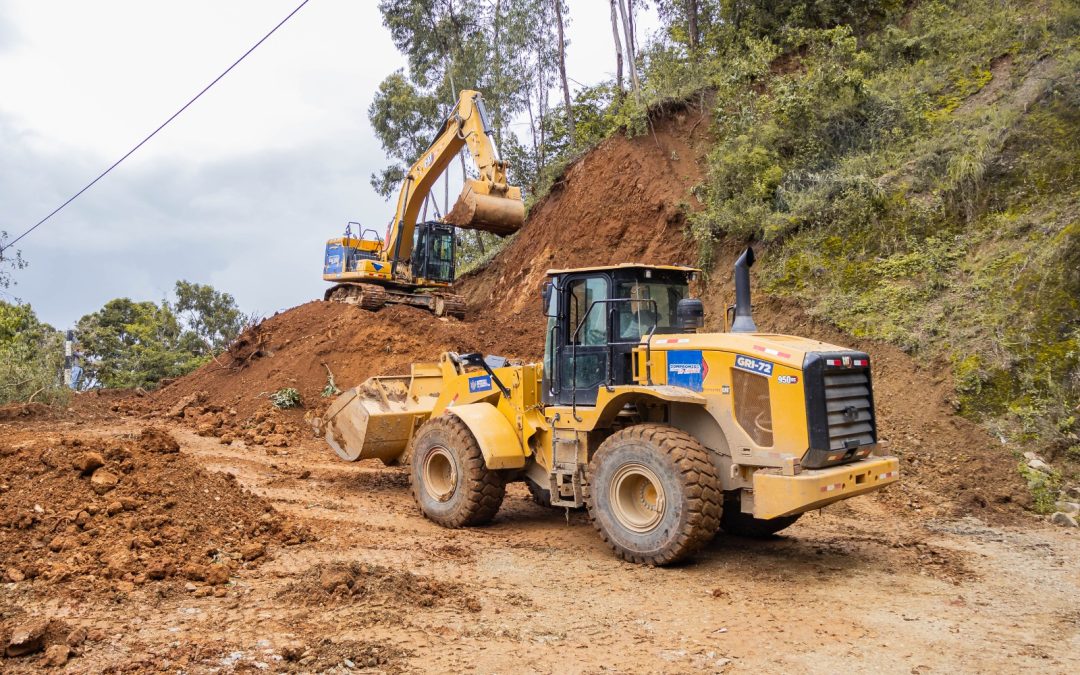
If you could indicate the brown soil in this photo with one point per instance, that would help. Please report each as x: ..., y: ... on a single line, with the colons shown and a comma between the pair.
x: 329, y: 565
x: 104, y: 513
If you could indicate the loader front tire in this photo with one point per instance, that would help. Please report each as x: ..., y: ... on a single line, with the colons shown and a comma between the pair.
x: 449, y: 480
x: 653, y: 494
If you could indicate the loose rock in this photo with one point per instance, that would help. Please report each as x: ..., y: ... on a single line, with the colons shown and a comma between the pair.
x: 88, y: 462
x: 156, y: 439
x: 1039, y: 465
x: 27, y: 638
x: 76, y: 637
x: 102, y: 481
x: 252, y: 551
x: 292, y: 651
x: 56, y: 656
x: 1064, y: 520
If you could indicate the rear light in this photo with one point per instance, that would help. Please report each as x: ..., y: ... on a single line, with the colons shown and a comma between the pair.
x: 847, y: 362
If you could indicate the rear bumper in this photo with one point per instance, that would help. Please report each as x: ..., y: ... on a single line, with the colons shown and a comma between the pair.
x: 776, y: 495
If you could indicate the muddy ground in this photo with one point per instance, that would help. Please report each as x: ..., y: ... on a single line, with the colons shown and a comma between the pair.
x: 375, y: 585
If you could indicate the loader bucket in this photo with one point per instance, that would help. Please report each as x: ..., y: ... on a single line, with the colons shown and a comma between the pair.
x: 495, y: 213
x: 377, y: 419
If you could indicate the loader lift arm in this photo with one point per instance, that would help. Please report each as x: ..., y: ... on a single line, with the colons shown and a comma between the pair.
x: 487, y: 203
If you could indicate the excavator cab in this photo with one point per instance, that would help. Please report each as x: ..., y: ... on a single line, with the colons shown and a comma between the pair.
x: 596, y: 316
x: 433, y: 253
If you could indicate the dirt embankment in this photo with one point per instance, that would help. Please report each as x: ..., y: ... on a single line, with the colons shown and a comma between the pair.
x: 625, y: 201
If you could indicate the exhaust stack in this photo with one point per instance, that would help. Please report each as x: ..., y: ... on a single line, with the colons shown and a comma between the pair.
x: 744, y: 320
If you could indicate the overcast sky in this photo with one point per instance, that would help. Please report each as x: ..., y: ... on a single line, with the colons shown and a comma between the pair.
x: 244, y: 188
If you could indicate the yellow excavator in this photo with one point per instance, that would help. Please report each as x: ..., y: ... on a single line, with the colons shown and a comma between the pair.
x: 414, y: 264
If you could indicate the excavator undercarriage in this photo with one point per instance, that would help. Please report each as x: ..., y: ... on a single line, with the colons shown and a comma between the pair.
x: 373, y: 297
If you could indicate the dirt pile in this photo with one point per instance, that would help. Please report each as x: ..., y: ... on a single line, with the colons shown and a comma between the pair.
x: 373, y: 585
x: 302, y: 349
x: 625, y: 201
x: 111, y: 513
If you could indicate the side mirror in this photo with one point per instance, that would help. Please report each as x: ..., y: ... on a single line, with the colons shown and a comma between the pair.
x: 690, y: 314
x: 547, y: 294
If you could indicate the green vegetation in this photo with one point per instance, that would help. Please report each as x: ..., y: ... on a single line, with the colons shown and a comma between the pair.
x: 31, y: 358
x: 914, y: 171
x: 285, y: 398
x: 139, y: 344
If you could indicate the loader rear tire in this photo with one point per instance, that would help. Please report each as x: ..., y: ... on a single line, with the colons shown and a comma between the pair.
x: 449, y: 480
x: 653, y: 494
x: 733, y: 521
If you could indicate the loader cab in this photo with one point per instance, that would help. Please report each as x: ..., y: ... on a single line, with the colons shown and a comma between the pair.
x: 596, y: 316
x: 433, y: 252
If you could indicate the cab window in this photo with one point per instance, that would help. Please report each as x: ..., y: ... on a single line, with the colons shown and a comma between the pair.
x: 652, y: 303
x: 582, y: 293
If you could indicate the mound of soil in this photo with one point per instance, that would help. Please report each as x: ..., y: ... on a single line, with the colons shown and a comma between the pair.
x: 371, y: 584
x: 112, y: 513
x: 301, y: 348
x: 624, y: 201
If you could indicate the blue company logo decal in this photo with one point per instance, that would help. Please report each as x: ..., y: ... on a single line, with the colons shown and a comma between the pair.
x: 481, y: 383
x: 753, y: 365
x: 685, y: 369
x: 377, y: 267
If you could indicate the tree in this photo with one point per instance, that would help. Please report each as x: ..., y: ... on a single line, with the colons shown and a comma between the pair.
x: 10, y: 260
x: 211, y: 315
x: 31, y: 357
x: 405, y: 119
x: 134, y: 344
x: 618, y: 47
x: 567, y: 102
x: 626, y: 13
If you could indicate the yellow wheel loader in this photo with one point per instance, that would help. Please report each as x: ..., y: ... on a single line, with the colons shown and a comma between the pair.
x: 664, y: 433
x: 414, y: 264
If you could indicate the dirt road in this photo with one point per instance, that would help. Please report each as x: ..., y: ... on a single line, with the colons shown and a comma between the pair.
x: 380, y: 588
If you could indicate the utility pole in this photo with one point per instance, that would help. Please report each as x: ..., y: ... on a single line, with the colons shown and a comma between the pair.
x: 70, y: 360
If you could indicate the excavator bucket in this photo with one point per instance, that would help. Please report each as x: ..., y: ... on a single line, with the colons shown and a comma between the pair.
x: 376, y: 419
x: 501, y: 214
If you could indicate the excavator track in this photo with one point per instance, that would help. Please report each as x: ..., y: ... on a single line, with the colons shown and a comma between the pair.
x: 449, y: 304
x: 373, y: 297
x: 367, y: 296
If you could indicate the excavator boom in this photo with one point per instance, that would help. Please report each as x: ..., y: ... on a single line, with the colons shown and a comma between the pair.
x: 487, y: 203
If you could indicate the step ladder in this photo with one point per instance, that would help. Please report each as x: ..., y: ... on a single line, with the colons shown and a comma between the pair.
x: 566, y: 482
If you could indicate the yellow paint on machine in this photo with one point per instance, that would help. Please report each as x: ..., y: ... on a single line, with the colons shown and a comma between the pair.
x: 777, y: 495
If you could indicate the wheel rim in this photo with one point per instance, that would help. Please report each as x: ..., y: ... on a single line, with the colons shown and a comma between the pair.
x: 638, y: 500
x: 440, y: 478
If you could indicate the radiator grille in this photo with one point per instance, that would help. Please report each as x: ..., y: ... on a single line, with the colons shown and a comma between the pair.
x: 849, y: 409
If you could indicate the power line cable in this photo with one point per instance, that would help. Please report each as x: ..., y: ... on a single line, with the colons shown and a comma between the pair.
x: 155, y: 132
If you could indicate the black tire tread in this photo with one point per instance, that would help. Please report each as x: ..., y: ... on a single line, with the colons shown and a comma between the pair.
x: 704, y: 496
x: 485, y: 489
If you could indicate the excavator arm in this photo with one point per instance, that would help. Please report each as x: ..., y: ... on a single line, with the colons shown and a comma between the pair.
x: 487, y: 203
